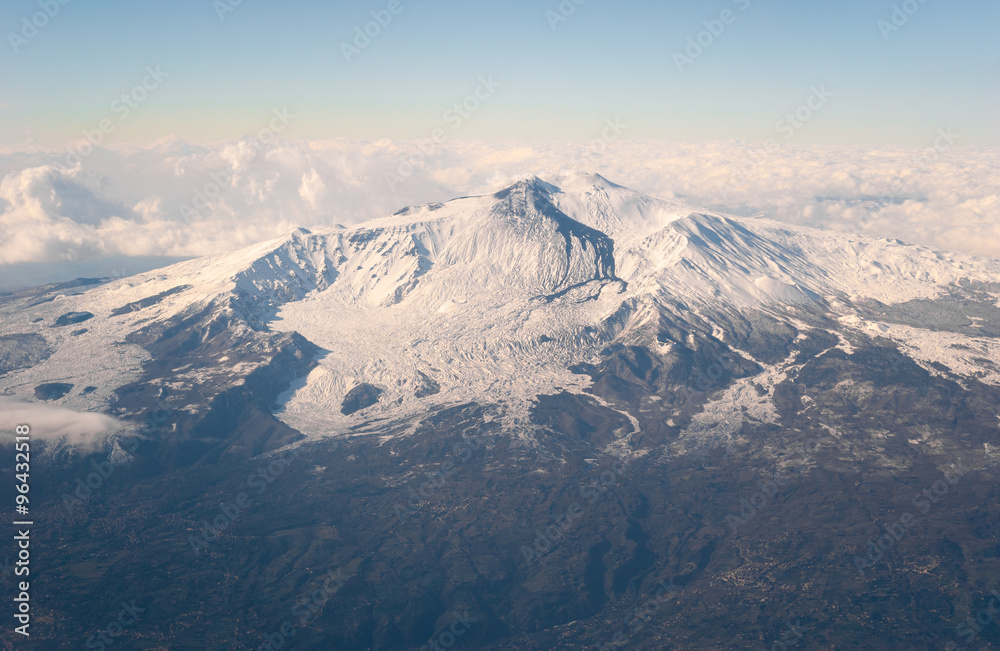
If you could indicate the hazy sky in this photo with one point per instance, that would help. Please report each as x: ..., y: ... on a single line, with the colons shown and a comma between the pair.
x: 560, y: 79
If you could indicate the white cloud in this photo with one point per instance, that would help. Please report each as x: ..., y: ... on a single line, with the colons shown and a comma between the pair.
x: 127, y: 200
x: 53, y: 424
x: 312, y: 189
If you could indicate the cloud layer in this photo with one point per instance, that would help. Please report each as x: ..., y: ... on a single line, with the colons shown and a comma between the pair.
x: 172, y: 198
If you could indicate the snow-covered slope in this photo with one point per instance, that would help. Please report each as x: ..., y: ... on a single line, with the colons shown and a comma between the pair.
x: 490, y: 297
x: 695, y: 253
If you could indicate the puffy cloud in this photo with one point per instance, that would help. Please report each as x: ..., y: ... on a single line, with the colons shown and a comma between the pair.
x: 86, y: 431
x: 312, y: 188
x: 50, y: 215
x: 172, y: 198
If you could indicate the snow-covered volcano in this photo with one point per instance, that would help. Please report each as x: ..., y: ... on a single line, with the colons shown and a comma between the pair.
x: 491, y: 298
x: 532, y: 407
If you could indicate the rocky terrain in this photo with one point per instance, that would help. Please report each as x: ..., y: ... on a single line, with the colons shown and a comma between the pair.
x: 565, y: 415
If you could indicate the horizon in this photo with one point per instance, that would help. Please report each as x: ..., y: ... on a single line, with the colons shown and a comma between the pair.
x: 83, y: 210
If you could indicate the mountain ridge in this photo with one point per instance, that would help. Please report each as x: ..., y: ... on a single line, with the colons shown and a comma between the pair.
x: 466, y: 416
x: 506, y: 274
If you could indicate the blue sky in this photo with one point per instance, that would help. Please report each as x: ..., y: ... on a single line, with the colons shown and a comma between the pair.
x: 605, y: 60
